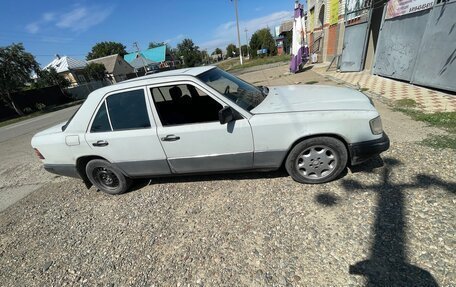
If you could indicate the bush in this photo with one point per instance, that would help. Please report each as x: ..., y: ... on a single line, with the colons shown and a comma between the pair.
x: 40, y: 106
x: 28, y: 110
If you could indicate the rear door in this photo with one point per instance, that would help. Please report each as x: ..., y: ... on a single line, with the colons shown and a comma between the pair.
x: 123, y: 131
x: 191, y: 134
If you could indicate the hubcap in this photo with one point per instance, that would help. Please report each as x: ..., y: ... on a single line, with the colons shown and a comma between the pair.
x: 316, y: 162
x: 106, y: 178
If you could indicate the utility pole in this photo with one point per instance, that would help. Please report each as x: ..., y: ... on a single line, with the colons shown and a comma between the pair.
x: 247, y: 42
x: 135, y: 44
x: 238, y: 34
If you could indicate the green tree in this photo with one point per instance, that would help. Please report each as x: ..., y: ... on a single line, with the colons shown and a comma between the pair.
x: 50, y: 77
x: 156, y: 44
x: 244, y: 49
x: 96, y: 71
x: 104, y: 49
x: 232, y: 50
x: 16, y: 65
x: 262, y: 39
x: 217, y: 51
x: 287, y: 41
x: 189, y: 53
x: 255, y: 44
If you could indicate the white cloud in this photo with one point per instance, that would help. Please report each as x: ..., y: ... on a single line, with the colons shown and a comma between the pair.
x: 32, y: 28
x: 226, y: 33
x: 79, y: 19
x: 174, y: 39
x: 82, y: 18
x: 47, y: 17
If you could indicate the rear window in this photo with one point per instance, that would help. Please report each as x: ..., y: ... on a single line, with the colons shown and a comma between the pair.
x: 128, y: 110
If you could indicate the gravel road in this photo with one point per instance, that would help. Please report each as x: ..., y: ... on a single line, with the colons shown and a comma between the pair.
x: 20, y: 171
x: 388, y: 222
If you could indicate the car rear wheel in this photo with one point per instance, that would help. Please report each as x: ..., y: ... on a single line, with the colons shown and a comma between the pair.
x: 317, y: 160
x: 107, y: 177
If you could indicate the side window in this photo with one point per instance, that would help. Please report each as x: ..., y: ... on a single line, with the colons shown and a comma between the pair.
x: 184, y: 104
x: 128, y: 110
x: 101, y: 121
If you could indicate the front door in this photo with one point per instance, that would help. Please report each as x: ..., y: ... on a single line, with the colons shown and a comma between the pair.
x: 191, y: 134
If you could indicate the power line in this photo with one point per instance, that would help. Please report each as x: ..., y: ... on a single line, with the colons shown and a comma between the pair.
x: 50, y: 55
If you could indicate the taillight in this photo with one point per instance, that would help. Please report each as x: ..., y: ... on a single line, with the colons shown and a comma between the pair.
x: 38, y: 154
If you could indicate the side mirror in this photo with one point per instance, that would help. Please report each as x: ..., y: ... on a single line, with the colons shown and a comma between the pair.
x: 226, y: 115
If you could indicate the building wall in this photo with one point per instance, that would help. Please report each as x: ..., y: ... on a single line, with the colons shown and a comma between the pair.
x: 122, y: 68
x: 332, y: 34
x: 70, y: 77
x: 331, y: 50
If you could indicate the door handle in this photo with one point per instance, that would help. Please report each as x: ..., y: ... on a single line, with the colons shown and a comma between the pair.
x: 100, y: 143
x: 170, y: 138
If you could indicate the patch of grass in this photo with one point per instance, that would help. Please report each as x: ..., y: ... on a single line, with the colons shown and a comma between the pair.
x: 443, y: 120
x: 227, y: 64
x: 405, y: 103
x: 311, y: 82
x: 234, y: 64
x: 445, y: 141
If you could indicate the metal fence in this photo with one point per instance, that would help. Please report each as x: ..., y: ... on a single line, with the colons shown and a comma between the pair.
x: 436, y: 61
x: 420, y: 47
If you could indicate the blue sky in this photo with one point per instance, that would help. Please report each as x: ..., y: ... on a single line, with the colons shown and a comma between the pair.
x: 54, y: 27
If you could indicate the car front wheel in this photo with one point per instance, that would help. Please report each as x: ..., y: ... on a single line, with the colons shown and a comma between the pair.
x: 317, y: 160
x: 107, y: 177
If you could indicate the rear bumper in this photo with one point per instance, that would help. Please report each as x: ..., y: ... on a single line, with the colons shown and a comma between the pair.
x: 360, y: 152
x: 62, y: 169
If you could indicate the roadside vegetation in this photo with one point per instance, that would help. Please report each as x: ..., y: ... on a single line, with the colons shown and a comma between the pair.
x: 233, y: 64
x: 42, y: 111
x: 443, y: 120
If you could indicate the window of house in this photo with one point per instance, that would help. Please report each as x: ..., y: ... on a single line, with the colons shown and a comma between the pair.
x: 81, y: 78
x: 184, y: 104
x: 127, y: 110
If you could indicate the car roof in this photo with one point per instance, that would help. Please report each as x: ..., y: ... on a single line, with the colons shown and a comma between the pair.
x: 149, y: 79
x: 179, y: 72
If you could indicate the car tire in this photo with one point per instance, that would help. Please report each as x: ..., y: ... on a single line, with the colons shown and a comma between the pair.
x: 317, y: 160
x: 107, y: 177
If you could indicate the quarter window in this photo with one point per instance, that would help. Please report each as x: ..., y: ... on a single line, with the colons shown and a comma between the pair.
x: 101, y: 121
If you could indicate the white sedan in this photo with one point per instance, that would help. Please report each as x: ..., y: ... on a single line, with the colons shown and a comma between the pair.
x: 204, y: 120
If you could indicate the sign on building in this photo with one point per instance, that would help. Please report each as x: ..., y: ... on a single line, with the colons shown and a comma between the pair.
x: 311, y: 19
x: 397, y: 8
x: 356, y: 8
x: 333, y: 12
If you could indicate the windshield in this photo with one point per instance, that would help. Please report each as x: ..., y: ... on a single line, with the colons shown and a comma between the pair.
x: 236, y: 90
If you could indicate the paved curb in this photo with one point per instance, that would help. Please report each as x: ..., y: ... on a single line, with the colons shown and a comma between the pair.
x: 428, y: 100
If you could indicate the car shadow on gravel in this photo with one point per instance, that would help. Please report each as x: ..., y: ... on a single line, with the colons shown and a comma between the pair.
x: 387, y: 265
x: 140, y: 183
